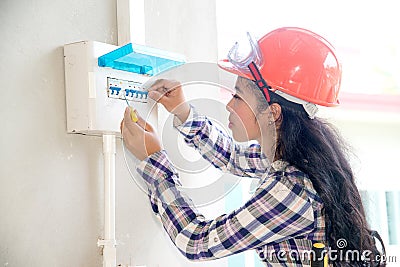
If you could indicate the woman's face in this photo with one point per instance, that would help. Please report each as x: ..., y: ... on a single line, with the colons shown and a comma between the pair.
x: 242, y: 113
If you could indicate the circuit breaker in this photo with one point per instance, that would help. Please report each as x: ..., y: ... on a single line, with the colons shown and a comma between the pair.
x: 100, y: 78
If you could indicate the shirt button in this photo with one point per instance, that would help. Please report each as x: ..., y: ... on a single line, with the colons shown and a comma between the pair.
x: 215, y: 239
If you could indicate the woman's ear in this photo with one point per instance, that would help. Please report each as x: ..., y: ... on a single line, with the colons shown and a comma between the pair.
x: 275, y: 112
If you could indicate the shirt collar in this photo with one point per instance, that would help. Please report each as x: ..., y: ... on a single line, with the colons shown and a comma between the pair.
x: 278, y: 165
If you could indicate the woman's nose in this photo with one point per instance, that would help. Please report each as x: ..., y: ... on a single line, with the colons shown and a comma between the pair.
x: 228, y: 106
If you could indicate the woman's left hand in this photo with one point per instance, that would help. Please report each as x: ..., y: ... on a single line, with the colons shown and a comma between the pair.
x: 139, y: 137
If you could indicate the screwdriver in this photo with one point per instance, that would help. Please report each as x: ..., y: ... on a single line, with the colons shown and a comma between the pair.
x: 319, y: 257
x: 133, y: 113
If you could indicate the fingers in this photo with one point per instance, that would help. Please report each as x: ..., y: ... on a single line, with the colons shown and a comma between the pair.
x: 121, y: 125
x: 132, y: 126
x: 127, y: 117
x: 127, y: 124
x: 155, y: 95
x: 162, y: 87
x: 164, y: 83
x: 144, y: 124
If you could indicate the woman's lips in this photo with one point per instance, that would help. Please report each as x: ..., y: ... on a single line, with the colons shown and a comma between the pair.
x: 230, y: 124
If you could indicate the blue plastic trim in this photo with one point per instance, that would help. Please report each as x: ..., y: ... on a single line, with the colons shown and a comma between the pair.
x: 140, y: 59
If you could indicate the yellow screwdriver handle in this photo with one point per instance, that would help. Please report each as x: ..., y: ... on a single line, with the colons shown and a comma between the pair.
x: 133, y: 115
x: 319, y: 257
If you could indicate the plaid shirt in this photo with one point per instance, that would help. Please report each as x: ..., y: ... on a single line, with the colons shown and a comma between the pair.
x: 280, y: 221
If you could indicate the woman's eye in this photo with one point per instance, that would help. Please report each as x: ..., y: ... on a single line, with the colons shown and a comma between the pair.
x: 236, y: 96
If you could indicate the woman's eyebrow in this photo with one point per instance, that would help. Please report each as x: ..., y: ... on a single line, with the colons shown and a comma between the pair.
x: 238, y: 89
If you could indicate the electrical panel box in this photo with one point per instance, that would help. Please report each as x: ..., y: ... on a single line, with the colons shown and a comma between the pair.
x: 100, y: 78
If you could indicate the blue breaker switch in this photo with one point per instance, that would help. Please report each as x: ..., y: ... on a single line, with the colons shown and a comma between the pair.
x: 115, y: 90
x: 132, y: 93
x: 124, y: 89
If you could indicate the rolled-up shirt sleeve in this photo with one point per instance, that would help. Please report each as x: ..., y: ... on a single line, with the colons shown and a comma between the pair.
x: 220, y: 149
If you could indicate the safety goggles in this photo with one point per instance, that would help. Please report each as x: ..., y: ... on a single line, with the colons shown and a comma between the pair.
x: 247, y: 59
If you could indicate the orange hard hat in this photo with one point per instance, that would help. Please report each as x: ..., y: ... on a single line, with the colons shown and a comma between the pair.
x: 295, y: 61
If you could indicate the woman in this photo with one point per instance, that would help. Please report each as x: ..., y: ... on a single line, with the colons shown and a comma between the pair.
x: 306, y: 190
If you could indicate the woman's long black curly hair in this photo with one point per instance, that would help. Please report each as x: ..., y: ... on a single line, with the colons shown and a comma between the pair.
x: 315, y: 147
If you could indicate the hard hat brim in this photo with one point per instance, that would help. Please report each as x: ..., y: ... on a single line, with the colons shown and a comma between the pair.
x: 229, y: 67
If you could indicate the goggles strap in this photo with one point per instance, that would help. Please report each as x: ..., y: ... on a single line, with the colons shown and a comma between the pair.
x: 259, y: 80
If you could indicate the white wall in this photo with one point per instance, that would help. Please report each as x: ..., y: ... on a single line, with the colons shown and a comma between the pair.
x: 51, y: 191
x: 51, y: 183
x: 188, y: 28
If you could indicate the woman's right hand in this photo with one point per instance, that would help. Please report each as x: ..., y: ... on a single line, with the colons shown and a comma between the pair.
x: 169, y: 93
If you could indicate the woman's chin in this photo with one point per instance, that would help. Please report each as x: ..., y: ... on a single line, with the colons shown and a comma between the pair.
x: 239, y: 137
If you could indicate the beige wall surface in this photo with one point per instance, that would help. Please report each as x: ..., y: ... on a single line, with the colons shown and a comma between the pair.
x: 51, y: 182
